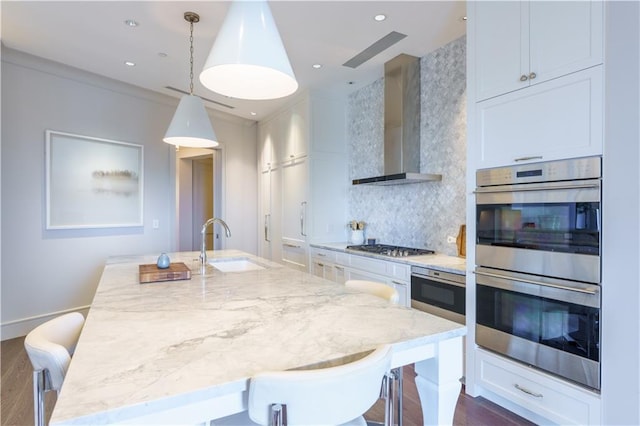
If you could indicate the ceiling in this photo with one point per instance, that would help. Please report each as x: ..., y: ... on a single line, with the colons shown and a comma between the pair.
x: 92, y: 35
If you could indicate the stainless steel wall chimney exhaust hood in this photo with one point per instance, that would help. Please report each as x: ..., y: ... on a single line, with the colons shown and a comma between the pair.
x: 401, y: 125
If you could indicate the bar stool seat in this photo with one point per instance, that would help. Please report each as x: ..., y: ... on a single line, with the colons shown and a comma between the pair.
x: 49, y: 347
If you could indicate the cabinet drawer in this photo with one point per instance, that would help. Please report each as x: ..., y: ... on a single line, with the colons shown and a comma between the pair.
x: 392, y: 270
x: 323, y: 254
x: 368, y: 264
x: 294, y: 254
x: 540, y: 393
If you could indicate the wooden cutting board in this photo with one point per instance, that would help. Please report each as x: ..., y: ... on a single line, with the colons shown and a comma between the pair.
x: 461, y: 241
x: 176, y: 271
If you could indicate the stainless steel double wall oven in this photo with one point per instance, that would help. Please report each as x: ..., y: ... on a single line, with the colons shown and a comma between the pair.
x: 538, y: 265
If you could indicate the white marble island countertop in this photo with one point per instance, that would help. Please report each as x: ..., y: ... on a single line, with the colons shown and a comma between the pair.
x: 159, y: 347
x: 441, y: 262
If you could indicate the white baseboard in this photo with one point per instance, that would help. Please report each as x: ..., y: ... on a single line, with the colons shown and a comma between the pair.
x: 20, y: 327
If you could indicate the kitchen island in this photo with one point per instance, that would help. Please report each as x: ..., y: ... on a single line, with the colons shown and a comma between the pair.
x: 184, y: 351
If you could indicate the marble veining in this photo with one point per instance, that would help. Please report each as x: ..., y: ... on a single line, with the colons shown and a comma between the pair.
x: 416, y: 215
x: 149, y: 347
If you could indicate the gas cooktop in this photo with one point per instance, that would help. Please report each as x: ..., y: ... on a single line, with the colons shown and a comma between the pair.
x: 387, y: 250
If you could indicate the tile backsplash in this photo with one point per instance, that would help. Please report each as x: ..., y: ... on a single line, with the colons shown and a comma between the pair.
x: 421, y: 214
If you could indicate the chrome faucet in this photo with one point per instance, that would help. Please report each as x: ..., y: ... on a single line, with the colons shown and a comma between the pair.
x: 203, y: 251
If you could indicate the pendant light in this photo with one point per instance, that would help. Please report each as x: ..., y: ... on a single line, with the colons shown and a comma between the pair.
x: 248, y: 59
x: 190, y: 125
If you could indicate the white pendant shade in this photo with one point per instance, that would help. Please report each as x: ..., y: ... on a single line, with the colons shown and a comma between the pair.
x: 190, y: 125
x: 248, y: 59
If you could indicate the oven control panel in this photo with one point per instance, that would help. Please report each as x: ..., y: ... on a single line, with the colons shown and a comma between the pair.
x: 551, y: 171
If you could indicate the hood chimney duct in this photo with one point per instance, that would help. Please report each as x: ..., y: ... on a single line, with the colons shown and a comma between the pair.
x: 401, y: 124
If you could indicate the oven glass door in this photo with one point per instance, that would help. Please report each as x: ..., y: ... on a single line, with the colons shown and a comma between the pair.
x: 569, y: 227
x: 550, y: 229
x: 561, y: 325
x: 450, y: 297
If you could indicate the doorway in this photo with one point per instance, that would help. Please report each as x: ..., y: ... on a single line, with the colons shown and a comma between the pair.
x: 199, y: 197
x: 202, y: 200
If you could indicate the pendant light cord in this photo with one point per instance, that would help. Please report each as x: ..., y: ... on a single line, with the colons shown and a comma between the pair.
x: 191, y: 59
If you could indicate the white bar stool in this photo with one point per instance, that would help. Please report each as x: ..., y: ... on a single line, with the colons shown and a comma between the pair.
x: 49, y: 347
x: 328, y: 396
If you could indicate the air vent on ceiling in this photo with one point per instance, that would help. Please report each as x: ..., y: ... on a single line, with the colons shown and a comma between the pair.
x: 201, y: 97
x: 384, y: 43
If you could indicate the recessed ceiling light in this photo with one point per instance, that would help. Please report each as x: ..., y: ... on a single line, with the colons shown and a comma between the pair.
x: 162, y: 54
x: 317, y: 66
x: 464, y: 18
x: 380, y: 17
x: 131, y: 23
x: 253, y: 113
x: 130, y: 64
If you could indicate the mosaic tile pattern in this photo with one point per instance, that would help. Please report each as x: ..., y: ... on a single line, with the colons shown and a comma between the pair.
x: 423, y: 214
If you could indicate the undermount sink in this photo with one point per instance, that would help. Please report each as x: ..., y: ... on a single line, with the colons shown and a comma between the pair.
x: 235, y: 265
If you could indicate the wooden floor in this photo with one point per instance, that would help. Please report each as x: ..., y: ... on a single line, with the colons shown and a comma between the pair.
x: 16, y: 403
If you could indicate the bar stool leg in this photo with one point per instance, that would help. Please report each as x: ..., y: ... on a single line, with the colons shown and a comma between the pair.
x: 38, y: 397
x: 386, y: 395
x: 399, y: 380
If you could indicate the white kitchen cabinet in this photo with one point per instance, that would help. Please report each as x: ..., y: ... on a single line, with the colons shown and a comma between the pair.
x: 323, y: 270
x: 294, y: 125
x: 517, y: 44
x: 284, y: 137
x: 539, y: 393
x: 294, y: 213
x: 323, y: 264
x: 559, y: 119
x: 264, y: 247
x: 270, y: 226
x: 308, y: 145
x: 535, y: 79
x: 340, y: 267
x: 269, y: 135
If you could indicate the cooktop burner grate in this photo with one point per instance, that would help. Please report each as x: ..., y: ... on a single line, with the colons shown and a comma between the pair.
x: 389, y: 250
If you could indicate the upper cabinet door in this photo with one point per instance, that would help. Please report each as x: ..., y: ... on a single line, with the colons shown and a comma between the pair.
x: 500, y: 34
x: 521, y: 43
x: 565, y: 37
x: 265, y: 150
x: 269, y: 143
x: 295, y: 129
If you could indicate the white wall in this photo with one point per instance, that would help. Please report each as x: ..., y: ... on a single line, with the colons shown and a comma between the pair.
x: 621, y: 217
x: 239, y: 197
x: 47, y: 272
x: 239, y: 184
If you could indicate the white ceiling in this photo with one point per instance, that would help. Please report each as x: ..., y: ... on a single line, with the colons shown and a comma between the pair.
x: 91, y: 35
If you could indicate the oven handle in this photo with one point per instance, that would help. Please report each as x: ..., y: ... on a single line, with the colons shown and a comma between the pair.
x: 524, y: 280
x: 490, y: 190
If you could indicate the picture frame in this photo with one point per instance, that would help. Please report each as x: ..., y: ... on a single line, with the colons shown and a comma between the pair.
x: 92, y: 182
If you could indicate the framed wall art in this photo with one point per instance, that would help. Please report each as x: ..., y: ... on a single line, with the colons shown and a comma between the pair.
x: 92, y: 182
